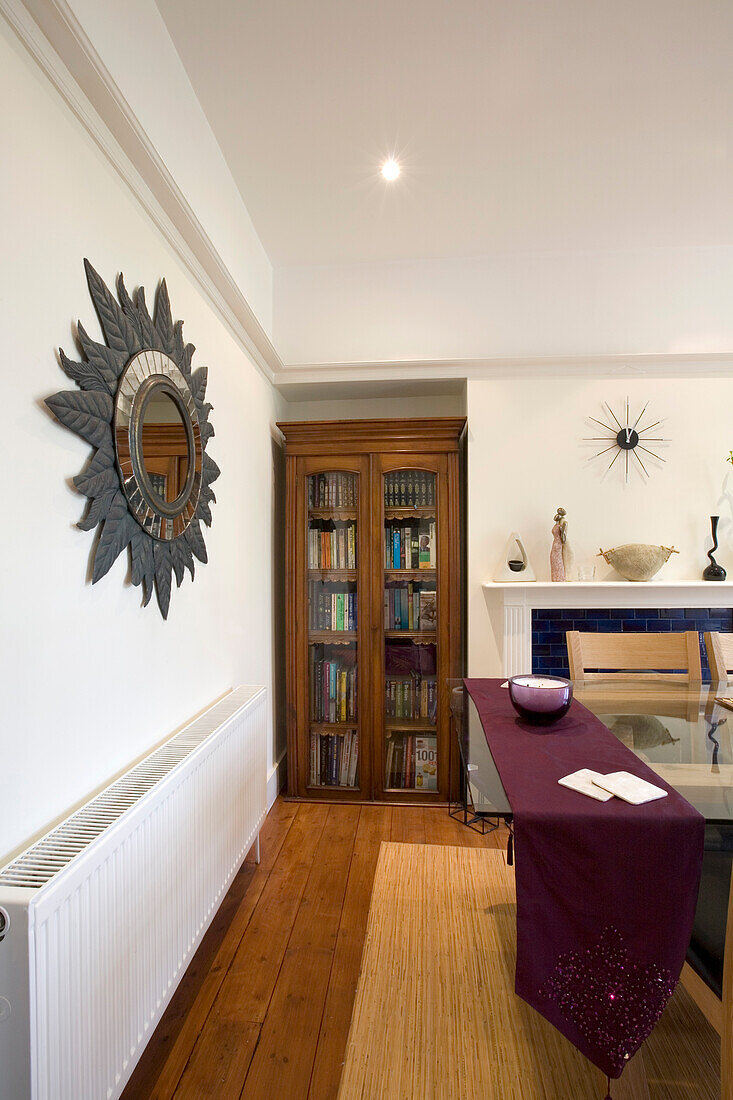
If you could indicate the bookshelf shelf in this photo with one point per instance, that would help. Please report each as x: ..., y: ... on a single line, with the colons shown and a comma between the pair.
x: 337, y: 637
x: 409, y: 725
x: 415, y: 793
x: 350, y: 522
x: 332, y: 513
x: 333, y: 727
x: 424, y: 637
x: 321, y: 788
x: 333, y: 574
x: 421, y: 511
x: 410, y: 574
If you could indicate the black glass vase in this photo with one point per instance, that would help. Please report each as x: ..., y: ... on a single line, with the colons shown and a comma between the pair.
x: 714, y: 572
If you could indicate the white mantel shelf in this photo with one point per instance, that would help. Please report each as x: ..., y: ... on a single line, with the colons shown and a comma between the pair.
x: 511, y: 603
x: 612, y: 593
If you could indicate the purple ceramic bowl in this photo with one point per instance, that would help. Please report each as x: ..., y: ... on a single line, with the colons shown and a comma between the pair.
x: 541, y: 700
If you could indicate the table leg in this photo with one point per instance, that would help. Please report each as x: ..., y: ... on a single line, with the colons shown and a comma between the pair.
x: 632, y: 1085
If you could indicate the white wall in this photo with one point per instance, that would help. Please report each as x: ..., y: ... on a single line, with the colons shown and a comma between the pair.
x: 137, y: 50
x: 90, y: 681
x: 650, y: 300
x: 527, y: 455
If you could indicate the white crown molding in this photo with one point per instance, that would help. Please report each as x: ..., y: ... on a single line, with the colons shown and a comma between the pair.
x: 647, y: 365
x: 57, y: 42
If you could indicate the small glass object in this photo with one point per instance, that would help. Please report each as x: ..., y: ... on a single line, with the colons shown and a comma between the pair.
x: 540, y: 700
x: 586, y: 572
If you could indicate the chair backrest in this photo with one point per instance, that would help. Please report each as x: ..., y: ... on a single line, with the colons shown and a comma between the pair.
x: 720, y: 654
x: 640, y: 656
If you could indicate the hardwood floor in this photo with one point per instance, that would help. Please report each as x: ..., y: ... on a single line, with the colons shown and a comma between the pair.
x: 264, y: 1009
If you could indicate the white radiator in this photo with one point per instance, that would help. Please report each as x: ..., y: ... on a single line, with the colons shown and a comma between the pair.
x: 100, y: 918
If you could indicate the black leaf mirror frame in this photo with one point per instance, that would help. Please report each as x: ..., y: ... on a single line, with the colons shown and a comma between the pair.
x: 143, y: 359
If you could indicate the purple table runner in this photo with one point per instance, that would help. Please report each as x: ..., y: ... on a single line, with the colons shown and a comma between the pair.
x: 606, y: 891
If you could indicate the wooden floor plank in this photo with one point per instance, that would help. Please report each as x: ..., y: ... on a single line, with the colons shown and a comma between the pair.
x: 224, y: 1053
x: 408, y: 825
x: 158, y: 1071
x: 283, y: 1060
x: 441, y: 828
x: 245, y: 992
x: 375, y: 825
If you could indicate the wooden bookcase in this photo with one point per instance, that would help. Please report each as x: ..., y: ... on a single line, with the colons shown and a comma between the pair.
x: 374, y: 562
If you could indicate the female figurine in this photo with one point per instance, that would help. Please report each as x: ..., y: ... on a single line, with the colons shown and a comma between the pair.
x: 559, y: 539
x: 568, y: 557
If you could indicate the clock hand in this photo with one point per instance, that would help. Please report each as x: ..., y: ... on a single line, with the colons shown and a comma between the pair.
x: 628, y: 435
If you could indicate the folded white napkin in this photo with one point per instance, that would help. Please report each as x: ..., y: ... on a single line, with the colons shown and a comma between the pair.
x: 630, y: 787
x: 583, y: 782
x: 603, y: 787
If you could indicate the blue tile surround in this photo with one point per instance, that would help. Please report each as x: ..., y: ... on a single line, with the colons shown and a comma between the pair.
x: 549, y: 653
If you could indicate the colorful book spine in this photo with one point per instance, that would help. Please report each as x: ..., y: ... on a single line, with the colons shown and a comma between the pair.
x: 332, y: 490
x: 353, y: 760
x: 335, y: 742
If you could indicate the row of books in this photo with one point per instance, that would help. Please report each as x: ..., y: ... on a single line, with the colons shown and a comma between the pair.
x: 332, y: 549
x: 334, y: 760
x: 412, y: 762
x: 409, y: 489
x: 332, y: 691
x: 411, y: 697
x: 330, y: 610
x: 408, y: 607
x: 332, y: 490
x: 409, y: 546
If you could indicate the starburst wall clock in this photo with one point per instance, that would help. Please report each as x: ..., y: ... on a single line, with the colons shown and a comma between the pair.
x: 628, y: 439
x: 143, y: 410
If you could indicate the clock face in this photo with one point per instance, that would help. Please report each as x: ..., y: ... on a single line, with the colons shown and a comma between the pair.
x: 627, y: 439
x: 628, y: 435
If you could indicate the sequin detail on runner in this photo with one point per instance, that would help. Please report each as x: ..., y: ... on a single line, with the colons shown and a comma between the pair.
x: 613, y: 1001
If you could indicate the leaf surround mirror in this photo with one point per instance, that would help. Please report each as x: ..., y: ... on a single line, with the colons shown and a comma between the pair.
x: 143, y: 409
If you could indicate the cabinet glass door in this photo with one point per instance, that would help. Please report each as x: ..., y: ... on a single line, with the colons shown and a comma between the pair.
x: 332, y: 550
x: 410, y: 626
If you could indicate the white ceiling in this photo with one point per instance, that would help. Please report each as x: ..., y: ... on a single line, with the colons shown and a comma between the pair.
x: 545, y: 125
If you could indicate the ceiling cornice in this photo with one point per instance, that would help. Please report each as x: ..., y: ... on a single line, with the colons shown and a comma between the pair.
x: 333, y: 378
x: 57, y: 42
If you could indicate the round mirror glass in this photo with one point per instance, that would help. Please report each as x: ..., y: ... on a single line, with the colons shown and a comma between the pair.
x: 164, y: 448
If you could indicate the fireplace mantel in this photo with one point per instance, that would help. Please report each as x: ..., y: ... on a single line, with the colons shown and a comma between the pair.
x: 511, y: 604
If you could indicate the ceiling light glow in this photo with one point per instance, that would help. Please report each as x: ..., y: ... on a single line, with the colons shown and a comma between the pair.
x: 390, y: 170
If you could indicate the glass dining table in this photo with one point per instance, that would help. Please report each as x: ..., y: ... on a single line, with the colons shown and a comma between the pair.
x: 681, y: 731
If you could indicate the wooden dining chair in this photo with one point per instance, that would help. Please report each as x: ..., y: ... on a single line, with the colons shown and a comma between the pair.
x: 619, y: 656
x: 708, y: 973
x: 720, y: 654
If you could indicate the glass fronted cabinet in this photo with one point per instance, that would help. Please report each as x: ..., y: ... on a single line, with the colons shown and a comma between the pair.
x: 373, y: 606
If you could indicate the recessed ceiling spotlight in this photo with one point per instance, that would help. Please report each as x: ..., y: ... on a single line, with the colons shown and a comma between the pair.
x: 390, y: 169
